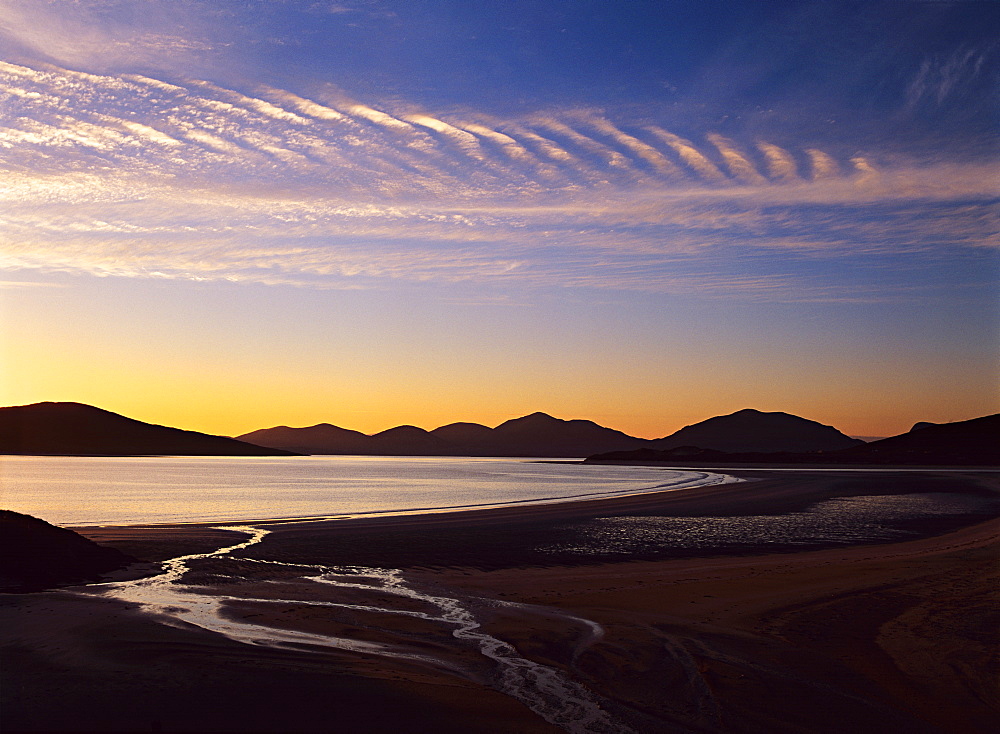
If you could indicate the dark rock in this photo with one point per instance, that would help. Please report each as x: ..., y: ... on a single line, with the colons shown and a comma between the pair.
x: 35, y: 555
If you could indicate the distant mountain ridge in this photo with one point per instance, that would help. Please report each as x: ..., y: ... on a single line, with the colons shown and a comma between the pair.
x: 747, y: 435
x: 535, y: 435
x: 974, y: 442
x: 83, y: 430
x: 541, y: 435
x: 304, y: 440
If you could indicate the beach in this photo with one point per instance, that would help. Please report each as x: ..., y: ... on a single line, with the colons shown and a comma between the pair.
x: 492, y: 620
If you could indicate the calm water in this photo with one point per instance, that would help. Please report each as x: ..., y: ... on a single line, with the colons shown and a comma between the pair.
x: 131, y: 490
x: 838, y: 521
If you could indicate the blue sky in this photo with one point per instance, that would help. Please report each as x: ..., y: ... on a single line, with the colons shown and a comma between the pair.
x: 823, y: 175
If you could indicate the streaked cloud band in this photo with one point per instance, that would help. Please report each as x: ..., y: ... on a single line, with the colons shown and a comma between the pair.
x: 132, y: 176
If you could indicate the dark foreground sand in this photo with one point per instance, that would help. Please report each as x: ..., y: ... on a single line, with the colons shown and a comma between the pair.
x: 893, y: 637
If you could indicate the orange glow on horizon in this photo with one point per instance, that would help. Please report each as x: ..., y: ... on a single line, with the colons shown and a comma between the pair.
x: 235, y: 377
x: 210, y: 410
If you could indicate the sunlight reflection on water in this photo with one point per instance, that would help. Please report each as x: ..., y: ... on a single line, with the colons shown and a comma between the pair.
x: 543, y: 689
x: 841, y: 520
x: 68, y: 490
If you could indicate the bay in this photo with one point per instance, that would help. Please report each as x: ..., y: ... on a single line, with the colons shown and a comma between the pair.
x: 68, y: 490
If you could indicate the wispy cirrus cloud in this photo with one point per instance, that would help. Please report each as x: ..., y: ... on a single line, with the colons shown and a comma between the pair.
x: 133, y: 176
x: 943, y: 76
x: 104, y: 34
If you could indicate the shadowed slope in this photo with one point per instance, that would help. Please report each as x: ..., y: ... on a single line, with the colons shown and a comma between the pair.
x: 36, y: 555
x: 751, y: 430
x: 975, y: 441
x: 407, y: 441
x: 322, y: 438
x: 470, y: 437
x: 540, y: 434
x: 77, y: 429
x: 537, y: 434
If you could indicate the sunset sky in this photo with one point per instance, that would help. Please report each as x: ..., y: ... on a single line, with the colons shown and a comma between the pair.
x: 224, y: 216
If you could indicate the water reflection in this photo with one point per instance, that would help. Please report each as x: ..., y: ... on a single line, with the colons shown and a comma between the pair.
x: 171, y: 598
x: 842, y: 520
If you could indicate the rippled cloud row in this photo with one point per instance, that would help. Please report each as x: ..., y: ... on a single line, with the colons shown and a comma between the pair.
x: 133, y: 176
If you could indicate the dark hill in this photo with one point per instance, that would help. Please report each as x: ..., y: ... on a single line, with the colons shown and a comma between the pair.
x: 540, y: 434
x: 971, y: 442
x: 77, y: 429
x: 468, y: 439
x: 35, y: 555
x: 322, y: 438
x: 407, y: 441
x: 752, y: 431
x: 537, y: 435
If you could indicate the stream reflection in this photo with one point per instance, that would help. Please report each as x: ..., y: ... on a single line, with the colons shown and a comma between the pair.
x: 472, y: 653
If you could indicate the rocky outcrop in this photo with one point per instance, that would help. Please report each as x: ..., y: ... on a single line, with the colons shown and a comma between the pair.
x: 35, y: 555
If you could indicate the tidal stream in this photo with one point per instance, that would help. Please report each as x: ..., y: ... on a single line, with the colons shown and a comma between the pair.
x: 543, y: 689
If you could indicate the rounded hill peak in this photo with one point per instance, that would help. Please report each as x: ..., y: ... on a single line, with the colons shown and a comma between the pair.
x: 532, y: 418
x: 398, y: 430
x: 751, y: 430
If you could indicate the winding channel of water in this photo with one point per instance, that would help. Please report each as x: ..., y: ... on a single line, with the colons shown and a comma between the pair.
x: 543, y: 689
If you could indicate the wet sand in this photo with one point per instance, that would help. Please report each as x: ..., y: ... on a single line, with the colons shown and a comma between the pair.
x: 878, y: 637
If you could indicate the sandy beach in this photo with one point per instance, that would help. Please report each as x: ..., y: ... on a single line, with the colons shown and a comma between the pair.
x: 776, y: 637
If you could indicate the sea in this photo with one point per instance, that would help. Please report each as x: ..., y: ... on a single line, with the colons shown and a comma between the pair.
x: 142, y: 490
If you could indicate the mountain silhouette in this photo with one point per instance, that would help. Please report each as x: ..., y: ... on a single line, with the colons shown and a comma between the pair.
x: 753, y: 431
x: 540, y: 432
x: 971, y: 442
x: 471, y: 437
x: 83, y: 430
x: 407, y: 441
x: 746, y: 435
x: 535, y: 435
x: 974, y: 442
x: 35, y: 555
x: 322, y: 438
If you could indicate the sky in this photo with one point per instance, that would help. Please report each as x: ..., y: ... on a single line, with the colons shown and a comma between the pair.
x: 225, y: 216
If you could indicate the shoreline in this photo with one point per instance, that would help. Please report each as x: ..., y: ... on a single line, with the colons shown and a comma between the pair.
x: 737, y: 473
x: 879, y: 637
x: 502, y: 536
x: 418, y: 512
x: 893, y: 637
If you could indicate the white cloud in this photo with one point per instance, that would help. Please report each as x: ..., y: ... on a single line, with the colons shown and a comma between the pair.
x: 104, y: 34
x: 133, y: 177
x: 689, y: 155
x: 780, y: 163
x: 642, y: 150
x: 736, y: 161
